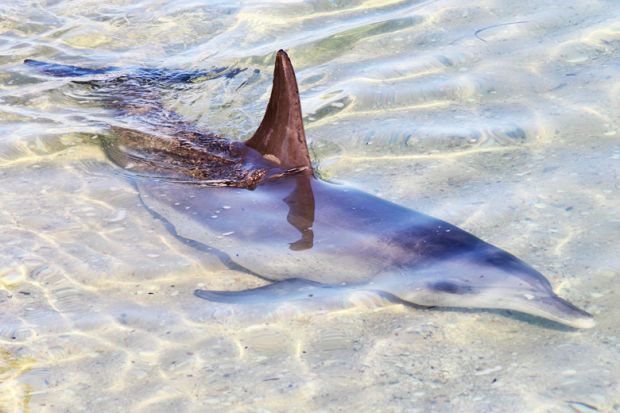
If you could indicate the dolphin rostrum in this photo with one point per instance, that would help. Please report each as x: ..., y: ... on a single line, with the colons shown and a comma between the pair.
x: 260, y: 206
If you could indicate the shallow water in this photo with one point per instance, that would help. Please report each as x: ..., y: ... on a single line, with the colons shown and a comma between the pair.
x: 499, y: 117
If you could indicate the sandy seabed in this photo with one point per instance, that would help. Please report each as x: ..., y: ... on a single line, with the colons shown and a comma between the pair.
x: 501, y: 118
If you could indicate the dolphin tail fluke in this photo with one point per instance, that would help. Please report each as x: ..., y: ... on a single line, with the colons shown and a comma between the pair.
x: 57, y: 70
x: 293, y: 289
x: 166, y: 76
x: 280, y: 137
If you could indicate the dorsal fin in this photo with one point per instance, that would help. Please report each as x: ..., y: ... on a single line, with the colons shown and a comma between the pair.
x: 280, y: 137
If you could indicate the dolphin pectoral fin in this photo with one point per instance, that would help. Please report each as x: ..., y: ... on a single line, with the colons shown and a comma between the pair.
x: 280, y: 137
x: 282, y: 291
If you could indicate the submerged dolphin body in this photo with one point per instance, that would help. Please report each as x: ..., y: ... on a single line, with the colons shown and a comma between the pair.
x: 311, y: 238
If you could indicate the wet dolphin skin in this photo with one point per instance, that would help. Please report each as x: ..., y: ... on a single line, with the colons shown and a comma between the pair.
x: 276, y: 219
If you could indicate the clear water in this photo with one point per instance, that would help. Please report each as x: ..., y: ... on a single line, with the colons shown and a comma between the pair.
x: 500, y: 117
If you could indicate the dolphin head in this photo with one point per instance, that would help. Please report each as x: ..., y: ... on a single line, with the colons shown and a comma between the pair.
x: 487, y: 277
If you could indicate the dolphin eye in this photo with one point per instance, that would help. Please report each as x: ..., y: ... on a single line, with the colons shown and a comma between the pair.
x: 447, y: 287
x: 451, y: 287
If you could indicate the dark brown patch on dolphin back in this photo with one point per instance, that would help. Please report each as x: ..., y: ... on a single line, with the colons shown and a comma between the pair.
x: 280, y: 138
x: 184, y: 156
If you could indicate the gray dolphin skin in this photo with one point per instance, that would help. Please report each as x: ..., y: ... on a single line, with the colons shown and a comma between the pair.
x: 259, y: 205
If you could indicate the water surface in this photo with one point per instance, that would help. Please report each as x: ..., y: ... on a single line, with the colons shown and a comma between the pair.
x: 499, y: 117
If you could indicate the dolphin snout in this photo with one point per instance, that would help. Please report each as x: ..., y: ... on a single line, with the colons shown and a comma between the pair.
x: 557, y: 309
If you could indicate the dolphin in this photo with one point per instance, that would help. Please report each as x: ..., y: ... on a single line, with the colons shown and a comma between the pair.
x: 260, y: 206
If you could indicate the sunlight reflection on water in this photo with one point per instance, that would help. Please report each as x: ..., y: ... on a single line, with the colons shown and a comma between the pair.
x: 499, y: 117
